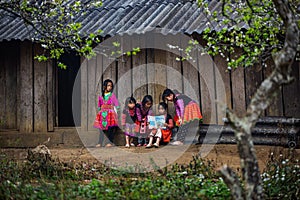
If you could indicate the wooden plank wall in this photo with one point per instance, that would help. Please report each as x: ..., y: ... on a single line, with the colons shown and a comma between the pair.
x: 153, y: 70
x: 26, y: 88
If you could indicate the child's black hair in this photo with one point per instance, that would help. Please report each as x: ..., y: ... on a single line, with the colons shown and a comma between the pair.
x: 147, y: 98
x: 164, y: 105
x: 105, y: 85
x: 167, y: 92
x: 130, y: 100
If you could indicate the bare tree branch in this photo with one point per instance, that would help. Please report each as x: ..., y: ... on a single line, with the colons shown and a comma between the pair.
x: 232, y: 180
x: 261, y: 100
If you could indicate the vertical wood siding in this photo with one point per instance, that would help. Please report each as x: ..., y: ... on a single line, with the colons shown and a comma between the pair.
x: 28, y: 88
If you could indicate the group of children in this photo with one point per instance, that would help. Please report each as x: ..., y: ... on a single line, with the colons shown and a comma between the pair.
x: 134, y: 118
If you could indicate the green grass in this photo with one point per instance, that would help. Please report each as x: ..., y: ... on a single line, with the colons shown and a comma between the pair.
x: 196, y: 180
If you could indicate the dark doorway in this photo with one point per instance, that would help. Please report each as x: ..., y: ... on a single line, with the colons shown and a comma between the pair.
x: 66, y: 79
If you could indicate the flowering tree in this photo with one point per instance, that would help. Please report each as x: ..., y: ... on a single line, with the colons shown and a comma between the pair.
x: 270, y: 31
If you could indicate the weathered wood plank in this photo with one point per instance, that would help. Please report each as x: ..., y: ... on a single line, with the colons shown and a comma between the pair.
x: 207, y: 86
x: 108, y: 65
x: 91, y: 86
x: 50, y: 95
x: 190, y: 71
x: 26, y: 90
x: 99, y: 79
x: 139, y: 71
x: 174, y: 76
x: 223, y: 90
x: 174, y: 67
x: 124, y: 80
x: 11, y: 53
x: 191, y: 82
x: 151, y: 71
x: 291, y: 94
x: 276, y: 107
x: 56, y: 94
x: 124, y: 83
x: 40, y: 95
x: 253, y: 76
x: 238, y: 87
x: 2, y: 86
x: 238, y: 91
x: 160, y: 75
x: 84, y: 94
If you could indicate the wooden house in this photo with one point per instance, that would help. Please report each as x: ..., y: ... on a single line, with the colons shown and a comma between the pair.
x: 37, y: 97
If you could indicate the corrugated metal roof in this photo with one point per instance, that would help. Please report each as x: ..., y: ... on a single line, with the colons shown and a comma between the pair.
x: 126, y: 16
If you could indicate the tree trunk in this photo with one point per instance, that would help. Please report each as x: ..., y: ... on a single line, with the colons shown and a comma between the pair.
x: 261, y: 100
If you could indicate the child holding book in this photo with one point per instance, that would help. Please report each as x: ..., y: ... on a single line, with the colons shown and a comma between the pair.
x: 164, y: 132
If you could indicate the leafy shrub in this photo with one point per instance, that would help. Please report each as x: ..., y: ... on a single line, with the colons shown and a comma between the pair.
x: 57, y: 180
x: 281, y: 177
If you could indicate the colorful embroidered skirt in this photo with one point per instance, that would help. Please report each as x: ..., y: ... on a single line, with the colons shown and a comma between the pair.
x: 191, y: 112
x: 106, y: 118
x: 130, y: 129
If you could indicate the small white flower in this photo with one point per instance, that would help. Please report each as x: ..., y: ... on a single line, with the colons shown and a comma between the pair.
x: 201, y: 176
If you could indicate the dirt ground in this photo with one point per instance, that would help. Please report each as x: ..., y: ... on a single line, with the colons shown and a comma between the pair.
x: 165, y: 155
